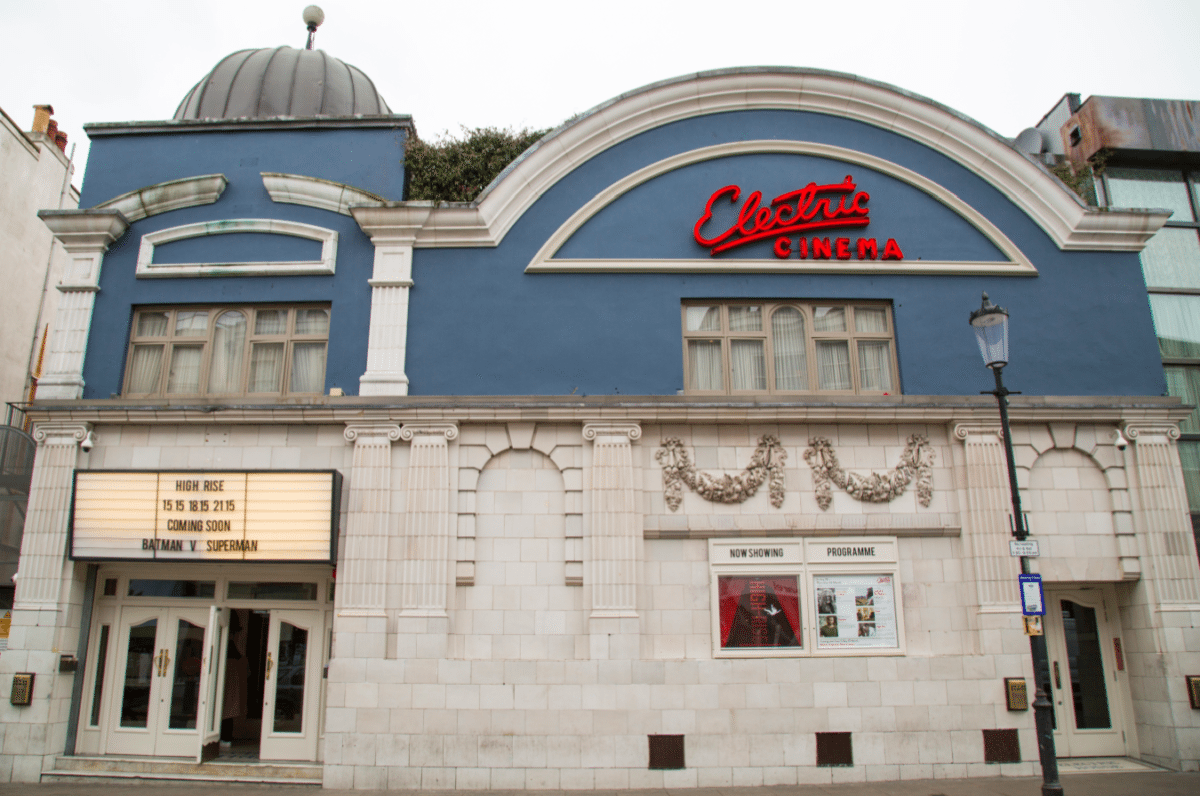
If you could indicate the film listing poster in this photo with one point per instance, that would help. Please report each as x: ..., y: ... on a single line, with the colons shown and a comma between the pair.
x: 758, y: 612
x: 855, y: 611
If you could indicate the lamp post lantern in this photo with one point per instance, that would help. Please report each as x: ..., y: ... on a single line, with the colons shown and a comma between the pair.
x: 991, y: 332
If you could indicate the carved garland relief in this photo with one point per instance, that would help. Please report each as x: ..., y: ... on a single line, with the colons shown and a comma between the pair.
x: 766, y: 465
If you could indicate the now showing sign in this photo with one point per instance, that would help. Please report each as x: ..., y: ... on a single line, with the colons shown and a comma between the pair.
x: 205, y: 516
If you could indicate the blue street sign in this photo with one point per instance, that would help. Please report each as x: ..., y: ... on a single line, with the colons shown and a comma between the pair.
x: 1033, y: 599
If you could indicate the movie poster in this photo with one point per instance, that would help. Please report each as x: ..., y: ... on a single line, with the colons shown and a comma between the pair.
x: 855, y: 611
x: 759, y: 612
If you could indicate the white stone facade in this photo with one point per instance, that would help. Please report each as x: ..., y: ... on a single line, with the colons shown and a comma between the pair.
x: 518, y: 607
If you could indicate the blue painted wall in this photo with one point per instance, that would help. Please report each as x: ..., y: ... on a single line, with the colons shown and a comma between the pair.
x: 480, y: 325
x: 369, y: 159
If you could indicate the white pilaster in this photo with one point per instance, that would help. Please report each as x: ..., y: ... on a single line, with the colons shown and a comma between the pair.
x: 989, y: 505
x: 86, y: 235
x: 426, y: 565
x: 362, y: 584
x: 614, y: 549
x: 1163, y: 513
x: 392, y: 231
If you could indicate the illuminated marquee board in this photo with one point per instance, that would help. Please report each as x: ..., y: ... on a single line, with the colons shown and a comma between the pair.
x: 206, y: 516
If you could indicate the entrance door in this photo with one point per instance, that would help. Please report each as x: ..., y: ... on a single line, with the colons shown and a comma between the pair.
x: 155, y: 707
x: 1083, y: 687
x: 212, y: 679
x: 291, y: 684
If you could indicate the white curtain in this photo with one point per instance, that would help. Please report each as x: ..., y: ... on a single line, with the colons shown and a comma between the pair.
x: 312, y: 321
x: 749, y: 365
x: 787, y: 342
x: 833, y: 365
x: 308, y: 368
x: 270, y: 322
x: 184, y: 377
x: 152, y: 324
x: 829, y: 319
x: 874, y: 365
x: 228, y: 352
x: 704, y: 365
x: 867, y: 319
x: 266, y: 367
x: 145, y: 367
x: 191, y: 323
x: 703, y: 319
x: 745, y: 319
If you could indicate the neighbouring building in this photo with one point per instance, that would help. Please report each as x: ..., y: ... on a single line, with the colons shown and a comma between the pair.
x: 662, y: 463
x: 35, y: 174
x: 1133, y: 152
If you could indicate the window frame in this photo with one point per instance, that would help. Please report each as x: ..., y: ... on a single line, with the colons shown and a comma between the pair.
x: 806, y: 308
x: 169, y: 342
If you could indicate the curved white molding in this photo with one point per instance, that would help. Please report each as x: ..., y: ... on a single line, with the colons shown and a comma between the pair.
x: 1017, y: 263
x: 600, y: 428
x: 171, y: 195
x: 147, y: 268
x: 1069, y: 222
x: 297, y: 189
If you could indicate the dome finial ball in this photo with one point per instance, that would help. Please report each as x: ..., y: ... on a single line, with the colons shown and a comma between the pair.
x: 313, y: 17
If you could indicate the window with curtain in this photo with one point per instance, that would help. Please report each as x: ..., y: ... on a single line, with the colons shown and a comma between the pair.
x: 747, y: 347
x: 227, y: 351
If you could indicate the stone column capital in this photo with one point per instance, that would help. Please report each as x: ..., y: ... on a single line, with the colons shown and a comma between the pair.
x: 60, y: 432
x: 1135, y: 430
x: 410, y: 430
x: 964, y: 430
x: 631, y: 431
x: 364, y: 431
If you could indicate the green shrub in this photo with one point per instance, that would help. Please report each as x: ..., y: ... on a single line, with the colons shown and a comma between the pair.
x: 457, y: 169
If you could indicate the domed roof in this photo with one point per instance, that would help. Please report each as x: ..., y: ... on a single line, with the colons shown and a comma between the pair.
x: 281, y: 81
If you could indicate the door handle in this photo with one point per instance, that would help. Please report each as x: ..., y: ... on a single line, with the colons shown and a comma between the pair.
x: 158, y: 663
x: 1057, y: 677
x: 166, y: 656
x: 270, y: 663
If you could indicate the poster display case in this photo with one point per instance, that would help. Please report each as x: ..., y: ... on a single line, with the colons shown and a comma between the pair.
x: 800, y: 597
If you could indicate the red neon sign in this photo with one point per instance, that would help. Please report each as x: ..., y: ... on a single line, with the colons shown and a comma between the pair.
x: 809, y: 209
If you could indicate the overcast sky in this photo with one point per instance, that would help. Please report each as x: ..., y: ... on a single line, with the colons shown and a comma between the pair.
x: 531, y: 63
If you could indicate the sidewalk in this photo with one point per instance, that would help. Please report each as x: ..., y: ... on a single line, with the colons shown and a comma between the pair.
x: 1108, y: 784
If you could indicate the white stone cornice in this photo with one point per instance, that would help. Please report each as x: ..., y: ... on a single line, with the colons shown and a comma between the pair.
x: 165, y: 196
x: 297, y: 189
x: 85, y: 231
x: 1030, y: 186
x: 410, y: 430
x: 396, y: 222
x: 964, y: 430
x: 1135, y: 430
x: 356, y: 431
x: 60, y: 433
x: 609, y: 429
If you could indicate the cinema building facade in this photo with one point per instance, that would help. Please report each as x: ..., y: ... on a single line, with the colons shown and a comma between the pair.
x: 663, y: 463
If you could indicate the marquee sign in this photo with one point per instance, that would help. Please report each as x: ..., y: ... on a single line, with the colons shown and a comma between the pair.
x: 806, y: 210
x: 205, y: 516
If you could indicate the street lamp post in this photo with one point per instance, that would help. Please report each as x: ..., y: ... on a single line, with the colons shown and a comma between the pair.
x: 991, y: 331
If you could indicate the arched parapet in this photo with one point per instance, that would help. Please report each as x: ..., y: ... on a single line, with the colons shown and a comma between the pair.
x: 1063, y: 216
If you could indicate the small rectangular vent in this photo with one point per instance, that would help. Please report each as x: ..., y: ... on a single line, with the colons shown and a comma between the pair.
x: 1001, y: 746
x: 666, y: 751
x: 834, y: 749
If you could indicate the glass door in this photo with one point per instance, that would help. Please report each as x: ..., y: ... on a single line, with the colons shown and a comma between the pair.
x: 156, y: 696
x: 212, y: 679
x: 1083, y: 679
x: 290, y: 689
